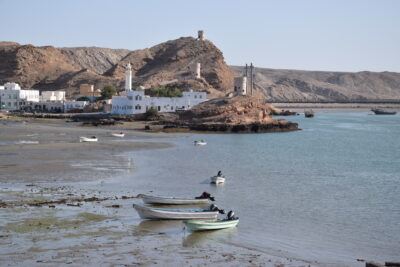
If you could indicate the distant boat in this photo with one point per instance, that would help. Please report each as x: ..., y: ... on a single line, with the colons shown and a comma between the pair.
x: 88, y: 139
x: 203, y: 199
x: 309, y: 113
x: 121, y: 134
x: 217, y: 179
x: 175, y: 214
x: 200, y: 143
x: 378, y: 111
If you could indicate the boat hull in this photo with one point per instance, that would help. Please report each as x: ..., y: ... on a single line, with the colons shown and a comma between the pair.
x: 170, y: 214
x: 86, y: 139
x: 118, y: 135
x: 210, y: 224
x: 198, y: 143
x: 383, y: 112
x: 172, y: 201
x: 217, y: 180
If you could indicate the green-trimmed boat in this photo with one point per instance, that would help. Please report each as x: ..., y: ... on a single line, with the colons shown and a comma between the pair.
x: 204, y: 225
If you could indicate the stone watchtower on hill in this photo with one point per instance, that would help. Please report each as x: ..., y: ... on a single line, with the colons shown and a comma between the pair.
x: 200, y: 35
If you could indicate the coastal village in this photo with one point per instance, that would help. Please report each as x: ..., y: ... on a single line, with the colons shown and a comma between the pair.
x: 119, y: 163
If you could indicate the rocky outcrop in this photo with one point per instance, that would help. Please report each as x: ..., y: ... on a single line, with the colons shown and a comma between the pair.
x: 303, y: 86
x: 236, y: 114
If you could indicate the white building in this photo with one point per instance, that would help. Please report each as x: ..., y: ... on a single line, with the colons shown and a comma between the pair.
x: 134, y: 102
x: 52, y: 96
x: 12, y: 97
x: 56, y: 106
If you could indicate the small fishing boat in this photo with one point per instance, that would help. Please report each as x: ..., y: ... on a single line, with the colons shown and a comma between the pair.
x: 379, y: 111
x: 203, y: 199
x: 217, y: 179
x: 121, y: 134
x: 176, y: 214
x: 309, y: 113
x: 204, y: 225
x: 200, y: 143
x: 88, y: 139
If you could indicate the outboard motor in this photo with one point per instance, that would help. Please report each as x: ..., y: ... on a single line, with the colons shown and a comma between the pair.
x: 231, y: 216
x: 206, y: 195
x: 221, y: 211
x: 213, y: 207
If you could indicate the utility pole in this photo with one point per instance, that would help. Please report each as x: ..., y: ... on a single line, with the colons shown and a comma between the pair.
x: 251, y: 79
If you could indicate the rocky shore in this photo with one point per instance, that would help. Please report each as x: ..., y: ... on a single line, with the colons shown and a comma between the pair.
x: 239, y: 114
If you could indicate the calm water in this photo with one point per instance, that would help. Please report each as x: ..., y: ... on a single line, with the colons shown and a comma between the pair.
x: 329, y: 193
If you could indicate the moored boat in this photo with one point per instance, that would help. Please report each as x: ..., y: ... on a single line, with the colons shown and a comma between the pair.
x: 203, y: 199
x: 121, y: 134
x: 217, y: 179
x: 308, y: 113
x: 204, y: 225
x: 379, y: 111
x: 200, y: 143
x: 176, y: 214
x: 88, y: 139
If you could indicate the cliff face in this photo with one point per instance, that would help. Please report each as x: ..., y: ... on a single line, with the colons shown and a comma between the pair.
x: 297, y: 85
x: 96, y: 59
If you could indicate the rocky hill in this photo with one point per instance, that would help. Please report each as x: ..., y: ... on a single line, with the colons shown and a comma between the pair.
x: 170, y: 64
x: 298, y: 85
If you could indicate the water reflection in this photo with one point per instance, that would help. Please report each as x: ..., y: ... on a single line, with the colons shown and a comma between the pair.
x: 161, y: 226
x: 203, y: 237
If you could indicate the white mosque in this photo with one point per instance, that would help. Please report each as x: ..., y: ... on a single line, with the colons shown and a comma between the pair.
x: 134, y: 102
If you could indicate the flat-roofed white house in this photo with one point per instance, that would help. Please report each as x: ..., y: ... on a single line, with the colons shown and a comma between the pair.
x: 52, y: 96
x: 12, y: 97
x: 134, y: 102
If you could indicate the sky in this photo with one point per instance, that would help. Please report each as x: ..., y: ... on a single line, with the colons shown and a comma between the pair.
x: 328, y: 35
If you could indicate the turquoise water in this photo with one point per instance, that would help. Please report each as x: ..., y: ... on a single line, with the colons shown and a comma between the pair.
x: 329, y: 193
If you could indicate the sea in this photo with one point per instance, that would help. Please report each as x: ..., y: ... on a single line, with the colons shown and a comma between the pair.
x: 327, y: 194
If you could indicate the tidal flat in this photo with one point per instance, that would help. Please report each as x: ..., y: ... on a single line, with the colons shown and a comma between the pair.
x: 54, y: 211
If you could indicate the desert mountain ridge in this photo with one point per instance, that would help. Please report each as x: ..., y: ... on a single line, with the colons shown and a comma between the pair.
x: 170, y: 64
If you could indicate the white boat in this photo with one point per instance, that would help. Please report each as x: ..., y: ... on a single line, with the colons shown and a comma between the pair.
x: 88, y: 139
x: 200, y: 143
x: 174, y: 214
x: 204, y: 225
x: 217, y: 179
x: 121, y: 134
x: 174, y: 200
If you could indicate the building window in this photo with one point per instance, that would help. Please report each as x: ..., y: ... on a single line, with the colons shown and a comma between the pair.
x: 200, y: 96
x: 172, y: 108
x: 130, y: 97
x: 159, y: 108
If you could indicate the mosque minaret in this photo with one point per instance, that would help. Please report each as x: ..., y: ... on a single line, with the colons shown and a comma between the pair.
x: 128, y: 77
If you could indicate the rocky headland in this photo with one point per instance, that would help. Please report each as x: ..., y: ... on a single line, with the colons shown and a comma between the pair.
x: 239, y: 114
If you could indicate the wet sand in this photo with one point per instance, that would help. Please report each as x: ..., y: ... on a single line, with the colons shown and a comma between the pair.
x: 42, y: 161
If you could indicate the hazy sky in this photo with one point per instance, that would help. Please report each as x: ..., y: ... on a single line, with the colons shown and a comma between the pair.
x: 339, y: 35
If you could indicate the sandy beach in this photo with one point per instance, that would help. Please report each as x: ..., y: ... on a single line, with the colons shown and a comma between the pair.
x: 50, y: 214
